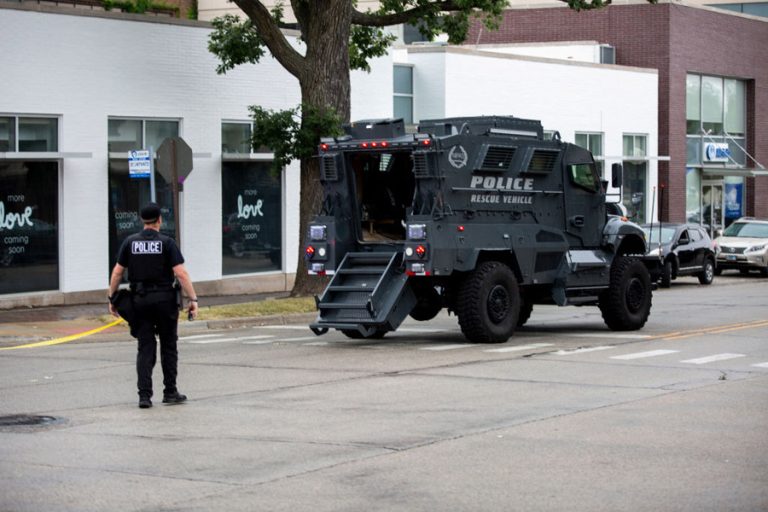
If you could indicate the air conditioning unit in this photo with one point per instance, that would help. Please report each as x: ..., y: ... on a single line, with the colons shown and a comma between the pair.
x: 607, y: 54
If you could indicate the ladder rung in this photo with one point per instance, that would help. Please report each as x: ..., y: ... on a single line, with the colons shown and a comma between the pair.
x: 336, y: 305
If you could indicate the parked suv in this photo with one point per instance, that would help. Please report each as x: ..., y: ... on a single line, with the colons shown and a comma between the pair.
x: 744, y: 246
x: 686, y: 250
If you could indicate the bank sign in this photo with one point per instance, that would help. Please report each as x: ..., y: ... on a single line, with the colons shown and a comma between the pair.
x: 716, y: 152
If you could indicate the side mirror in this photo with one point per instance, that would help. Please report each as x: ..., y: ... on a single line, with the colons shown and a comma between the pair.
x: 617, y: 173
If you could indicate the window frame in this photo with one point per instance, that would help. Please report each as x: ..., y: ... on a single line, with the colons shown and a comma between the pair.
x: 16, y: 140
x: 410, y: 95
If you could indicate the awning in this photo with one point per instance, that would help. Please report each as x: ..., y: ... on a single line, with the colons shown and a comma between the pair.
x: 739, y: 172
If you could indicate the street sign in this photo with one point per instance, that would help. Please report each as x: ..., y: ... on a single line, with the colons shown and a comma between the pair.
x: 174, y: 156
x: 139, y: 164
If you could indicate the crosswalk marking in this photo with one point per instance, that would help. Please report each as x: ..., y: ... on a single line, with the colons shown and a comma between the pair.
x: 761, y: 365
x: 199, y: 336
x: 642, y: 355
x: 611, y: 335
x: 303, y: 338
x: 448, y: 347
x: 517, y: 348
x: 582, y: 350
x: 713, y: 358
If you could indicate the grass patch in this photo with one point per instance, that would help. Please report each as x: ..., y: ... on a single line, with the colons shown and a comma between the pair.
x: 260, y: 308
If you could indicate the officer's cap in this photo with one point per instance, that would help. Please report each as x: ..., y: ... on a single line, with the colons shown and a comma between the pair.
x: 150, y: 213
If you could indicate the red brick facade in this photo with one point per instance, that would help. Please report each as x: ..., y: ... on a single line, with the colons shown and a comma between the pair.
x: 674, y: 39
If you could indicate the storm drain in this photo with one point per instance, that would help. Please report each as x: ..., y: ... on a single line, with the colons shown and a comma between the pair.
x: 15, y: 421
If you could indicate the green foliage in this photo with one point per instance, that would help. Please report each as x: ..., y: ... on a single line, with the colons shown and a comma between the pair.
x: 138, y: 6
x: 293, y: 133
x: 234, y: 42
x: 192, y: 12
x: 366, y: 43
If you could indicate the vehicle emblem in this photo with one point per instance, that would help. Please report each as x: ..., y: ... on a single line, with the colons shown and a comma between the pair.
x: 731, y: 249
x: 457, y: 157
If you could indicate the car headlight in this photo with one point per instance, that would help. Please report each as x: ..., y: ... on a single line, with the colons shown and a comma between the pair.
x: 654, y: 252
x: 317, y: 233
x: 417, y: 231
x: 757, y: 248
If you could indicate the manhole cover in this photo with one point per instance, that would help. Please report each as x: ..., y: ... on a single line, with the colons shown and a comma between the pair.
x: 25, y: 420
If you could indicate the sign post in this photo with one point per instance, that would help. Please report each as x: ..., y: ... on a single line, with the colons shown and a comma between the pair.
x: 174, y: 163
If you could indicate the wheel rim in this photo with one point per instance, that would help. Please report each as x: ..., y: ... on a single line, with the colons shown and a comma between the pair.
x: 635, y: 294
x: 710, y: 271
x: 498, y: 304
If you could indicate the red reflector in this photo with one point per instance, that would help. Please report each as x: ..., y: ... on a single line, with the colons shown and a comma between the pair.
x: 324, y: 147
x: 426, y: 142
x: 374, y: 144
x: 410, y: 273
x: 310, y: 251
x: 384, y: 144
x: 421, y: 251
x: 364, y: 144
x: 460, y: 229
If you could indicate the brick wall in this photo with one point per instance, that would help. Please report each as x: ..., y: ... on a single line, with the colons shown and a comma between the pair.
x: 674, y: 39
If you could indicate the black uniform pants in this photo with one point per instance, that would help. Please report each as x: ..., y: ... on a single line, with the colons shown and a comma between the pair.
x: 156, y: 313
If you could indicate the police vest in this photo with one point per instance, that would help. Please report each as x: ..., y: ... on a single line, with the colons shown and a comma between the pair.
x: 149, y: 261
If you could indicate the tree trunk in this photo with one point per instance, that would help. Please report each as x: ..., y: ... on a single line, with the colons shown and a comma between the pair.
x: 324, y: 84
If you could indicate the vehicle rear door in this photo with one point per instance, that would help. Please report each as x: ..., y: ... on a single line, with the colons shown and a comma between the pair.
x: 686, y: 252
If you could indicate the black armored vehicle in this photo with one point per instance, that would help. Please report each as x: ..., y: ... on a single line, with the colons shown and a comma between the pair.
x: 480, y: 215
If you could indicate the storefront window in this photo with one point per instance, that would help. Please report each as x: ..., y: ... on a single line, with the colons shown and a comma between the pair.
x: 635, y: 176
x: 251, y: 199
x: 29, y: 233
x: 693, y: 105
x: 712, y: 105
x: 127, y: 195
x: 7, y: 134
x: 403, y: 93
x: 735, y: 110
x: 594, y: 143
x: 693, y: 195
x: 236, y: 138
x: 734, y: 198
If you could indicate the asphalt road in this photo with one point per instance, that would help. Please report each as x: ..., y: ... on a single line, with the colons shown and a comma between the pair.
x: 566, y: 416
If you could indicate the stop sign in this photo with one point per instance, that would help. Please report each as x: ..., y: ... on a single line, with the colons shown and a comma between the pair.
x: 176, y: 154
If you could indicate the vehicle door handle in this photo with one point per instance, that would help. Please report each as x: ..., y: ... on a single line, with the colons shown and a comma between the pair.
x: 577, y: 221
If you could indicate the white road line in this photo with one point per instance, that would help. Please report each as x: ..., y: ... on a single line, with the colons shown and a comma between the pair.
x: 200, y: 336
x: 285, y: 327
x: 264, y: 339
x: 760, y: 365
x: 316, y: 344
x: 712, y: 359
x: 305, y: 338
x: 611, y: 336
x: 421, y: 330
x: 642, y: 355
x: 227, y: 340
x: 517, y: 348
x: 449, y: 347
x: 582, y: 350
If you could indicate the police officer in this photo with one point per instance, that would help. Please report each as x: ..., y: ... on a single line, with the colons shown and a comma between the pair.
x: 153, y: 260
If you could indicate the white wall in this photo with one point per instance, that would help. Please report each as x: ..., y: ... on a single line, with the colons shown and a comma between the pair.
x: 566, y: 96
x: 87, y: 68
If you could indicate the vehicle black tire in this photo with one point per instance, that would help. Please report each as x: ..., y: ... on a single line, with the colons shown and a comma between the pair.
x: 526, y: 308
x: 764, y: 271
x: 357, y: 335
x: 665, y: 279
x: 489, y: 303
x: 718, y: 271
x: 707, y: 275
x: 626, y: 304
x: 428, y: 304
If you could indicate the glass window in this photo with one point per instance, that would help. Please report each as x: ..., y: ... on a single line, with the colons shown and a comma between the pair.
x: 38, y: 134
x: 712, y: 104
x: 583, y: 176
x: 594, y: 143
x: 635, y: 176
x: 125, y: 135
x: 251, y: 200
x: 127, y: 195
x: 693, y: 195
x: 7, y: 134
x: 403, y: 93
x: 29, y: 232
x: 693, y: 104
x: 735, y: 107
x: 236, y: 138
x: 635, y: 145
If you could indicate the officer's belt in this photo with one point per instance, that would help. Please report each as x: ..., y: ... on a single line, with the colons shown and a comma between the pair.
x: 142, y: 288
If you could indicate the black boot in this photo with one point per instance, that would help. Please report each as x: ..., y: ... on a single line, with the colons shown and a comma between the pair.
x: 174, y: 398
x: 145, y: 402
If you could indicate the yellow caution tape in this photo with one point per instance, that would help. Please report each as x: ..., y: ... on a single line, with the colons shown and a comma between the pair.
x: 65, y: 339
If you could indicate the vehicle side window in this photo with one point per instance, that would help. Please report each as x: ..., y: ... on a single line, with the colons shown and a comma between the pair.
x: 695, y: 235
x: 584, y: 176
x: 684, y: 237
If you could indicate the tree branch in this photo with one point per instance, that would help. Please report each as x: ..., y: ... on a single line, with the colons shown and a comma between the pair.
x: 269, y: 31
x: 384, y: 20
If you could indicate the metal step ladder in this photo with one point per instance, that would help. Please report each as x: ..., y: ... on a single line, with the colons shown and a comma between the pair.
x: 369, y: 295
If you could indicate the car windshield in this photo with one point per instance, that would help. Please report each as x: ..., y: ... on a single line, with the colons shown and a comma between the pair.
x: 747, y: 229
x: 653, y: 234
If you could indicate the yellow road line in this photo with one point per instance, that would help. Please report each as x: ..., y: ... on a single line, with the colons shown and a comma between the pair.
x: 712, y: 330
x: 65, y: 339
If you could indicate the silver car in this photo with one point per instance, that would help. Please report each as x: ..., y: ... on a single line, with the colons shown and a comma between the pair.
x: 743, y: 246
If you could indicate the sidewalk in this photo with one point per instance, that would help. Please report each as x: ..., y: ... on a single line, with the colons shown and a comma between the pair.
x: 30, y: 325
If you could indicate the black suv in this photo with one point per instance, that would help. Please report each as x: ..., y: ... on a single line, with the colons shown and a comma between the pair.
x: 686, y: 250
